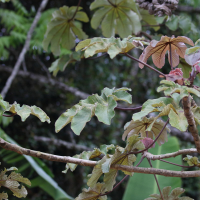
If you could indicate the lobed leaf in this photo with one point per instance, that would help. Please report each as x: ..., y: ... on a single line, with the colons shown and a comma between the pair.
x: 141, y: 127
x: 11, y: 182
x: 101, y: 106
x: 120, y: 17
x: 62, y: 29
x: 92, y: 193
x: 112, y: 46
x: 174, y: 194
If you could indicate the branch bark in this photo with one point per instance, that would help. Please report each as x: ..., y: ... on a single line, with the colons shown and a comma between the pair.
x: 68, y: 159
x: 24, y: 50
x: 57, y: 142
x: 192, y: 125
x: 44, y: 80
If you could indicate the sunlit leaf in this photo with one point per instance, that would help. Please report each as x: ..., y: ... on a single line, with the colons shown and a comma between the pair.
x: 116, y: 17
x: 158, y: 49
x: 101, y: 106
x: 11, y: 182
x: 140, y: 126
x: 169, y: 87
x: 62, y: 29
x: 167, y: 196
x: 24, y: 111
x: 113, y: 46
x: 92, y: 193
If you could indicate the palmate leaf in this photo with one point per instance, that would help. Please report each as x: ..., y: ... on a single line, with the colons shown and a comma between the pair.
x: 113, y: 46
x: 92, y: 193
x: 61, y: 63
x: 174, y: 194
x: 120, y: 157
x: 63, y: 30
x: 3, y: 196
x: 140, y: 126
x: 11, y: 182
x: 24, y: 111
x: 192, y: 161
x: 116, y: 17
x: 158, y: 49
x: 88, y: 155
x: 169, y: 88
x: 100, y: 106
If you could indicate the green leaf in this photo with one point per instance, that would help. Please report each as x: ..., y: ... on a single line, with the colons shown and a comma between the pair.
x: 174, y: 194
x: 62, y: 29
x: 113, y: 46
x: 169, y: 87
x: 103, y: 108
x: 119, y: 17
x: 185, y: 67
x: 5, y: 1
x: 172, y: 22
x: 178, y: 120
x: 192, y: 161
x: 92, y: 193
x: 137, y: 181
x: 25, y: 111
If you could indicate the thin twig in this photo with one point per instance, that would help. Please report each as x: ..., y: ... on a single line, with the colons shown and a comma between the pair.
x: 129, y: 109
x: 93, y: 58
x: 170, y: 53
x: 176, y: 164
x: 156, y: 181
x: 76, y: 10
x: 146, y: 34
x: 145, y: 64
x: 24, y: 50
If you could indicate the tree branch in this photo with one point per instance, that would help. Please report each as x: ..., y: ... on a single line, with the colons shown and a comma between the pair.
x: 188, y: 9
x: 57, y: 142
x: 44, y: 80
x: 68, y: 159
x: 192, y: 125
x: 24, y: 50
x: 169, y: 155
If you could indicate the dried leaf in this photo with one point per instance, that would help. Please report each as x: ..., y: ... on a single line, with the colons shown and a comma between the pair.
x: 158, y: 49
x: 11, y: 182
x: 173, y: 196
x: 92, y: 193
x: 3, y: 196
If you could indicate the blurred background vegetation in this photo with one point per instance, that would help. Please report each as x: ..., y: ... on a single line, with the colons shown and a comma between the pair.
x: 33, y: 86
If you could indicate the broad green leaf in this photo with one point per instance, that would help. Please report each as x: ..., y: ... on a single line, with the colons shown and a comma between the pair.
x: 25, y: 111
x: 63, y: 30
x: 11, y: 182
x: 138, y: 181
x: 113, y: 46
x: 185, y: 67
x: 61, y: 63
x: 141, y: 126
x: 178, y: 120
x: 45, y: 182
x: 172, y: 22
x: 92, y: 193
x: 192, y: 161
x: 117, y: 17
x: 167, y: 196
x: 102, y: 107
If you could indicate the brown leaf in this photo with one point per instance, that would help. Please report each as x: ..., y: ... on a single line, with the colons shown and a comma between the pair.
x: 158, y: 49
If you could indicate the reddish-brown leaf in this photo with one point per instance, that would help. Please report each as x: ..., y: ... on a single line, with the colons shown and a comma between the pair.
x: 158, y: 49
